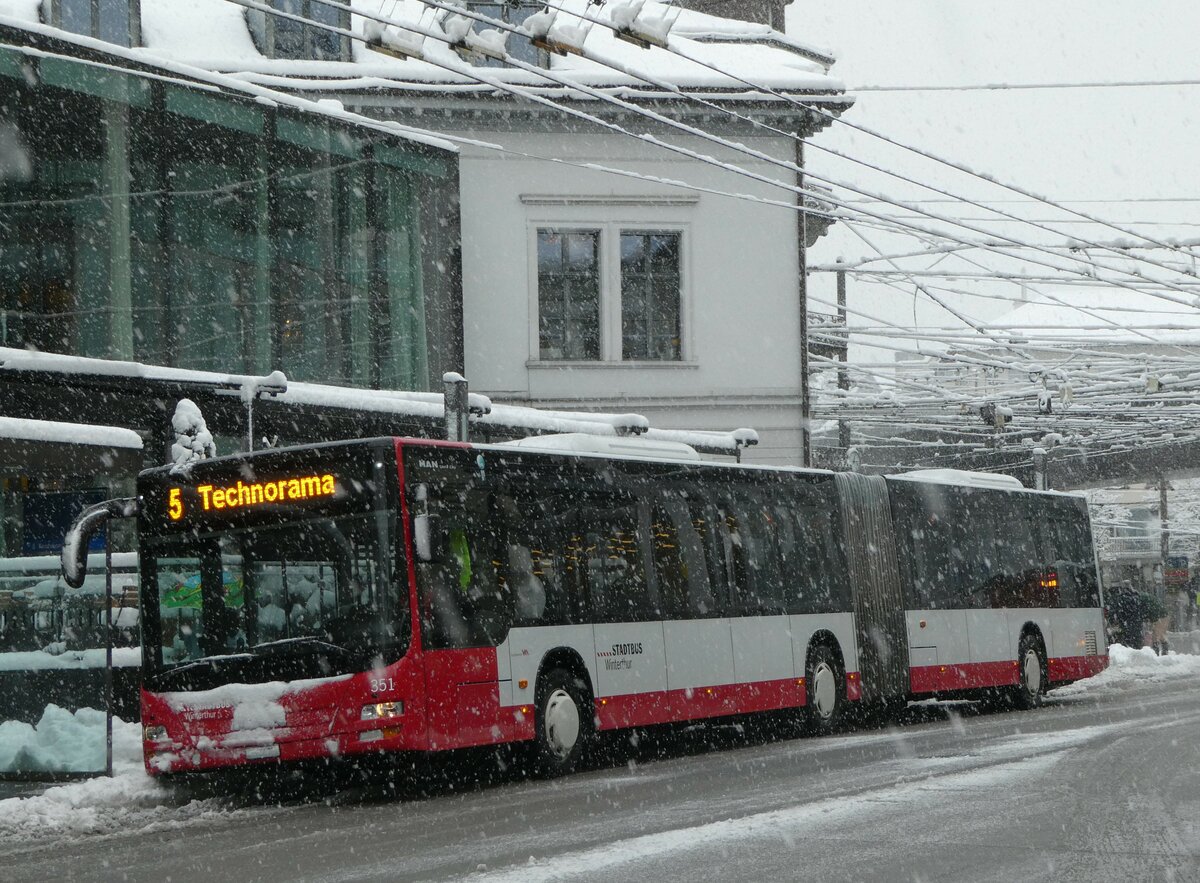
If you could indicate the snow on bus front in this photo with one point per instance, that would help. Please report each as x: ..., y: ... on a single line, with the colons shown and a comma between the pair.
x: 239, y: 723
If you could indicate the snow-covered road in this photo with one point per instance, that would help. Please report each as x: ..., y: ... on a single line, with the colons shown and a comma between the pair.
x: 1104, y: 784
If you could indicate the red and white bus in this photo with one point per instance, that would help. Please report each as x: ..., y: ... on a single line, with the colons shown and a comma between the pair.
x: 403, y: 595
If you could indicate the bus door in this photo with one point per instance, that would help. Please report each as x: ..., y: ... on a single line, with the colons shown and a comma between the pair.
x: 696, y: 627
x: 542, y: 552
x: 613, y: 552
x: 1000, y: 572
x: 759, y: 628
x: 466, y: 612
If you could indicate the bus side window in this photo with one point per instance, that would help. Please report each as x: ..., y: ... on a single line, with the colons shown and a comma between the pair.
x: 1068, y: 558
x: 806, y: 540
x: 751, y: 553
x: 679, y: 563
x: 925, y: 542
x: 612, y: 565
x: 533, y: 571
x: 1010, y: 573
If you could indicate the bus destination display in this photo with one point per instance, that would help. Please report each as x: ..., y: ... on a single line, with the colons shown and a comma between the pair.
x: 257, y: 494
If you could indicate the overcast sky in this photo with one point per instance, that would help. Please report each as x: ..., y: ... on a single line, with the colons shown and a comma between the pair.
x: 1070, y: 144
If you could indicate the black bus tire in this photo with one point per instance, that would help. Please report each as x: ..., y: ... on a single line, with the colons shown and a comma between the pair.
x: 825, y: 691
x: 564, y: 723
x: 1031, y: 668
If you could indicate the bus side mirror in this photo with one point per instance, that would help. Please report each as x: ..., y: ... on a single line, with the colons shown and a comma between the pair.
x: 426, y: 537
x: 87, y: 523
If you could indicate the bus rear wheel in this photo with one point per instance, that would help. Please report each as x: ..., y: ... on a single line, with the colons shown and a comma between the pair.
x: 1031, y: 664
x: 564, y: 723
x: 826, y: 691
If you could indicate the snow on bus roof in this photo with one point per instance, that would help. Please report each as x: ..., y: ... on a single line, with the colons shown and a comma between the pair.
x: 620, y: 446
x: 963, y: 478
x: 69, y: 433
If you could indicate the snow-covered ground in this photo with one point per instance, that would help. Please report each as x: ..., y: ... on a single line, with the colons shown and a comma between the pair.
x: 1128, y: 669
x: 65, y: 741
x: 62, y: 741
x: 131, y: 799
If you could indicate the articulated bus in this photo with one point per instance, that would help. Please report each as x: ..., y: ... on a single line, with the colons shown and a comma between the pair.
x: 404, y: 595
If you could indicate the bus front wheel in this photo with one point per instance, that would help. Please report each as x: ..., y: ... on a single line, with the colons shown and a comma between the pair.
x: 826, y: 690
x: 564, y: 721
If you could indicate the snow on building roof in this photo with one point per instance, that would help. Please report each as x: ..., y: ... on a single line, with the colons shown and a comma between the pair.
x: 69, y: 433
x: 214, y: 34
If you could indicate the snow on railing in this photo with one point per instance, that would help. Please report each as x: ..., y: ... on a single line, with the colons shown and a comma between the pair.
x: 423, y: 405
x: 399, y: 42
x: 635, y: 23
x: 561, y: 37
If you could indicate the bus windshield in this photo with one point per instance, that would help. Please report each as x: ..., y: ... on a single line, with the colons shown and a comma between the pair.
x: 322, y: 584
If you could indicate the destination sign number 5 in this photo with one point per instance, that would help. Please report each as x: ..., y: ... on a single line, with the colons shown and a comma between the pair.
x: 175, y: 504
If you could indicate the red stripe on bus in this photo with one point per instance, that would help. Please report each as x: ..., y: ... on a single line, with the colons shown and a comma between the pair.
x: 662, y: 706
x: 1074, y: 668
x: 967, y: 676
x: 976, y: 675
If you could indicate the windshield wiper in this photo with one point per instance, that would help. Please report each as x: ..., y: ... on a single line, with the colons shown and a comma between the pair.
x: 209, y: 660
x: 304, y: 640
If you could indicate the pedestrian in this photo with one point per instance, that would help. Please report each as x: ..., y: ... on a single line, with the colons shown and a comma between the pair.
x: 1155, y: 613
x: 1126, y: 610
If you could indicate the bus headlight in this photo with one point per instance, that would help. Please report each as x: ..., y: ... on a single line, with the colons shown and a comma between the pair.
x: 154, y: 734
x: 382, y: 711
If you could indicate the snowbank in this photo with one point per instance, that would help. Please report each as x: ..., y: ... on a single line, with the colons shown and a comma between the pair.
x: 60, y: 742
x: 64, y: 741
x: 1131, y: 668
x: 39, y: 660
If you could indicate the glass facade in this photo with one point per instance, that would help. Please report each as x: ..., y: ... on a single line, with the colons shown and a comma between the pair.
x: 180, y: 226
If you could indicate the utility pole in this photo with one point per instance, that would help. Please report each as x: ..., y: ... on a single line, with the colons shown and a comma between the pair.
x: 802, y: 254
x: 843, y: 371
x: 1039, y: 469
x: 1165, y: 549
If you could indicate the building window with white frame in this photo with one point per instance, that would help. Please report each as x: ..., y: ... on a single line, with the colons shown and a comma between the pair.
x: 650, y: 285
x: 609, y: 294
x: 568, y: 264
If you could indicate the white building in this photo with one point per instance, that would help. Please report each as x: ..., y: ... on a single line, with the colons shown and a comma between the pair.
x: 599, y: 270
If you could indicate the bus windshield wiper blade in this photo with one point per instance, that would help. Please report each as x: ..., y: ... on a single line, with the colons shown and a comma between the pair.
x: 209, y: 660
x: 304, y: 640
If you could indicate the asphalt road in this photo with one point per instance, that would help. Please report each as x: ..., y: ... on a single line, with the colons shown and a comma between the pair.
x: 1098, y: 788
